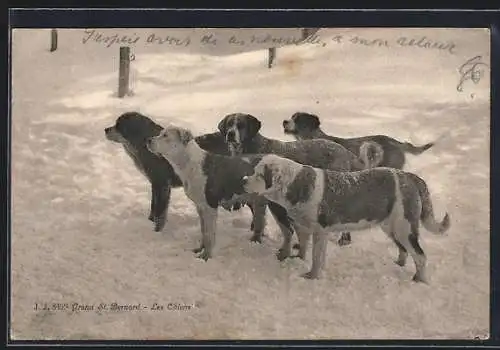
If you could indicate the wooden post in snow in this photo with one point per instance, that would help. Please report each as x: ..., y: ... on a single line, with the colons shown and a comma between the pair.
x: 53, y: 40
x: 271, y: 57
x: 124, y: 71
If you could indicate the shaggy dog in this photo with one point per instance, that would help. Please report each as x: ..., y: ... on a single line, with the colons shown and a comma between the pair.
x: 390, y: 152
x: 319, y: 200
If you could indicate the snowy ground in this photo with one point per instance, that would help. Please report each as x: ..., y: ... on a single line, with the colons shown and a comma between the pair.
x: 79, y: 227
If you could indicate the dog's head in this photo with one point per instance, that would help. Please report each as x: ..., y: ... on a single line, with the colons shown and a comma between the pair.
x: 132, y: 128
x: 237, y: 128
x: 267, y: 175
x: 301, y: 124
x: 170, y: 141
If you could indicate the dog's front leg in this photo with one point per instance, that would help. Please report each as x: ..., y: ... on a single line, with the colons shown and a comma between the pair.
x: 159, y: 205
x: 320, y: 241
x: 208, y: 225
x: 281, y: 216
x: 258, y: 207
x: 202, y: 228
x: 152, y: 210
x: 286, y: 248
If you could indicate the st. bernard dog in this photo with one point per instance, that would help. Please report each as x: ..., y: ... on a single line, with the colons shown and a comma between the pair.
x: 319, y: 201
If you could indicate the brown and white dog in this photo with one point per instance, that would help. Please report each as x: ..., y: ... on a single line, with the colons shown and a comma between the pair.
x: 242, y: 135
x: 390, y: 152
x: 318, y: 201
x: 208, y: 180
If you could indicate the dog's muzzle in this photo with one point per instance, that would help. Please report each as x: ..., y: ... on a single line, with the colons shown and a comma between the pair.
x: 288, y: 126
x: 112, y: 135
x: 244, y: 181
x: 231, y: 136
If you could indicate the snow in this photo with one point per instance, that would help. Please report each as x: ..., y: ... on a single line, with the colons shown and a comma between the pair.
x: 80, y: 232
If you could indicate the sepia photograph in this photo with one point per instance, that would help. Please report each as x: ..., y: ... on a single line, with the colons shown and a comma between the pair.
x: 250, y: 183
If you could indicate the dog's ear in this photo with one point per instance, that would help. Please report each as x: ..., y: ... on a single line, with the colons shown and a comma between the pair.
x: 184, y: 136
x: 254, y: 125
x: 268, y: 176
x: 222, y: 124
x: 314, y: 120
x: 306, y: 119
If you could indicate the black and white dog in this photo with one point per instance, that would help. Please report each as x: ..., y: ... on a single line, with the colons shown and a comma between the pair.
x: 132, y: 129
x: 319, y: 200
x: 208, y: 179
x: 241, y: 132
x: 389, y: 153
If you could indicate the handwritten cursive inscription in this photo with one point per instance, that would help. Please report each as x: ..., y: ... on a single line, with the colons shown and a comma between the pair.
x: 267, y: 40
x: 426, y: 43
x: 109, y: 40
x: 472, y: 69
x: 369, y: 42
x: 168, y: 39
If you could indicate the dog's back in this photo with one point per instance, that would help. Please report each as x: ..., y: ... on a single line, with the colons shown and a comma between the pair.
x: 372, y: 194
x: 360, y: 197
x: 318, y: 153
x: 386, y: 150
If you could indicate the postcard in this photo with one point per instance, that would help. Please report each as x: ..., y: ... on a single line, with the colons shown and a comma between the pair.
x: 257, y: 183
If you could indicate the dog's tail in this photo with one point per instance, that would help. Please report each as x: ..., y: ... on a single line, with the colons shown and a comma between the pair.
x: 371, y: 153
x: 411, y: 148
x: 428, y: 219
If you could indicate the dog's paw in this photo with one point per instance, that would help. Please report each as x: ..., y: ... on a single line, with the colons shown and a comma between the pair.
x: 345, y: 239
x: 151, y: 217
x: 282, y: 254
x: 310, y: 276
x: 298, y: 256
x: 418, y: 278
x: 197, y: 250
x: 204, y: 255
x: 400, y: 262
x: 159, y: 223
x: 256, y: 238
